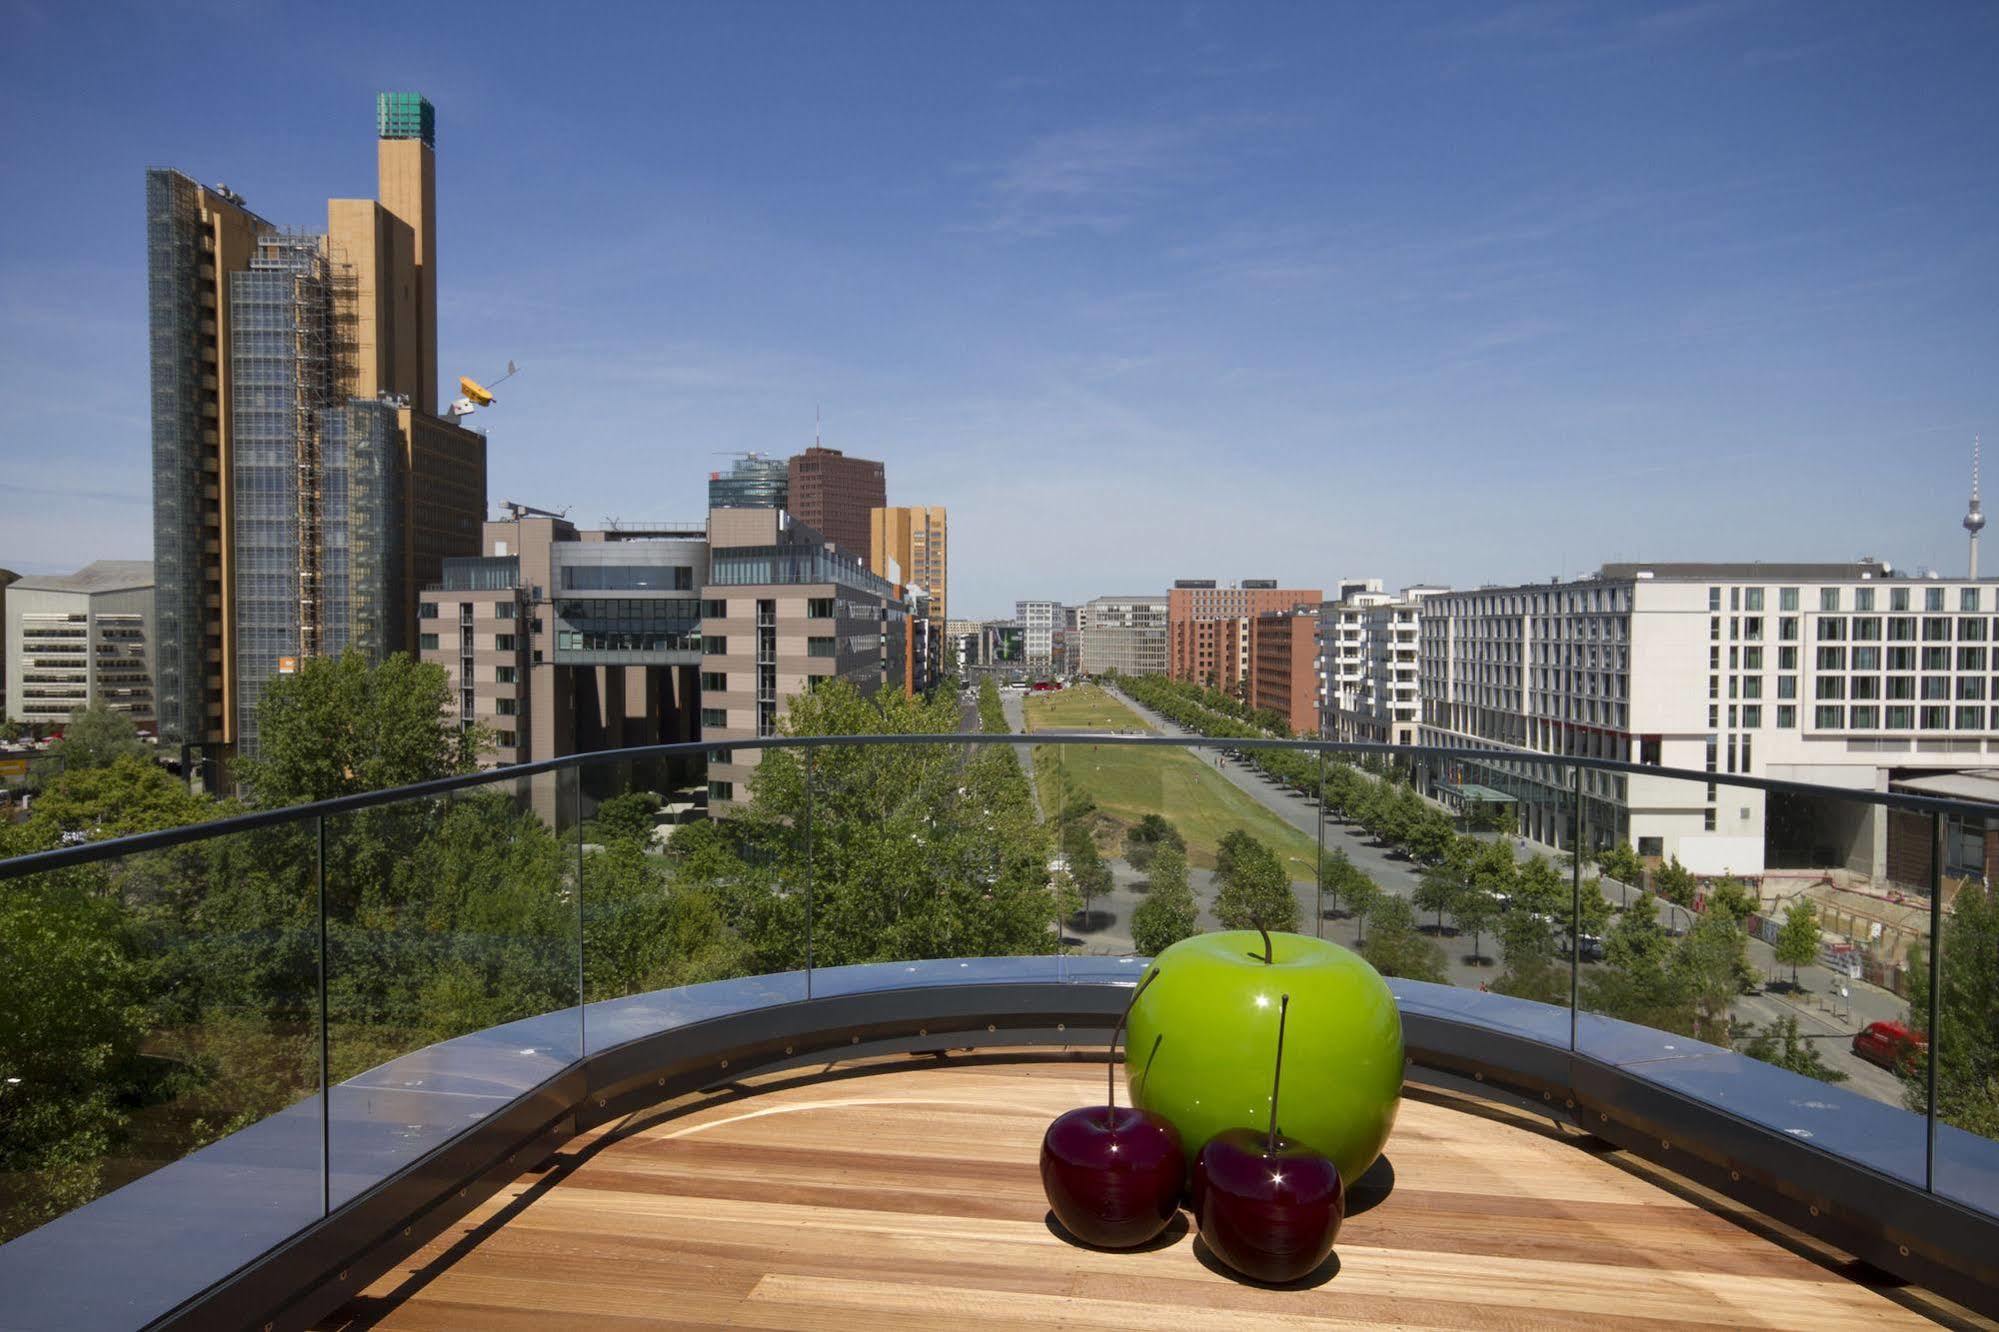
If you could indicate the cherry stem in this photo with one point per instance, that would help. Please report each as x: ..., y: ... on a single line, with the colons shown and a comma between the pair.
x: 1110, y: 1071
x: 1283, y: 1004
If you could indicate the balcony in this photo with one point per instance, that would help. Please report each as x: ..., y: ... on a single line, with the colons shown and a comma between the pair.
x: 487, y: 1106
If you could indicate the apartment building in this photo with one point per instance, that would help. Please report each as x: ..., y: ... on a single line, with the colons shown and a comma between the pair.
x: 1369, y: 691
x: 1844, y: 675
x: 304, y: 487
x: 1208, y: 626
x: 1284, y: 667
x: 1124, y: 634
x: 784, y: 608
x: 81, y: 638
x: 476, y: 623
x: 1038, y: 622
x: 833, y: 495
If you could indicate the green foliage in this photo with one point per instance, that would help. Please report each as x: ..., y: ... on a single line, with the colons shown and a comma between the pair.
x: 1798, y: 937
x: 97, y: 737
x: 1621, y: 863
x: 1532, y: 971
x: 1712, y: 965
x: 1638, y: 982
x: 1674, y: 882
x: 340, y: 726
x: 629, y: 817
x: 1780, y: 1043
x: 131, y: 794
x: 1255, y: 891
x: 1169, y: 912
x: 1475, y: 911
x: 1964, y: 1025
x: 1146, y: 836
x: 1731, y: 897
x: 1438, y: 888
x: 1396, y: 948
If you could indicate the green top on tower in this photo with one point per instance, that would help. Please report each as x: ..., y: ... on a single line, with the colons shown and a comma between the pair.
x: 405, y: 116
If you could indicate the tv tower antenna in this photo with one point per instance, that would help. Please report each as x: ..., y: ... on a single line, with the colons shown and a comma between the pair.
x: 1974, y: 520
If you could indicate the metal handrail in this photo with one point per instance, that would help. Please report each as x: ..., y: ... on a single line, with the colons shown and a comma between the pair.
x: 93, y: 852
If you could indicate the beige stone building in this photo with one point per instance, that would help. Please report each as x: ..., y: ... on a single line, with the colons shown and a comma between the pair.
x: 912, y: 545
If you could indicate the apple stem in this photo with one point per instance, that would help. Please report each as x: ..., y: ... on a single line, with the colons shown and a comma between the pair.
x: 1266, y: 944
x: 1283, y: 1004
x: 1110, y: 1071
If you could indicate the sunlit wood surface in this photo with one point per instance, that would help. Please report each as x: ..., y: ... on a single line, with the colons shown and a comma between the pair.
x: 905, y: 1193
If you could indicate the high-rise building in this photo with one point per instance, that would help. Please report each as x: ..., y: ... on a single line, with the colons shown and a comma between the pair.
x: 833, y: 494
x: 913, y: 541
x: 1841, y: 675
x: 753, y: 481
x: 79, y: 639
x: 1284, y: 667
x: 784, y: 608
x: 1202, y: 646
x: 1038, y: 622
x: 1124, y: 634
x: 303, y: 487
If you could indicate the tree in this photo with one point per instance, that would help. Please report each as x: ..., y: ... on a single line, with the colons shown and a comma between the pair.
x: 1964, y: 1037
x: 629, y: 816
x: 1539, y: 890
x: 1675, y: 883
x: 1621, y: 864
x: 1437, y: 888
x: 1431, y: 838
x: 1780, y: 1043
x: 1532, y: 972
x: 1255, y: 890
x: 1731, y: 897
x: 1169, y: 912
x: 1798, y: 938
x: 131, y: 794
x: 1474, y: 910
x: 1168, y: 871
x: 1146, y: 836
x: 340, y: 726
x: 1712, y: 964
x: 1362, y: 895
x: 1397, y: 948
x: 97, y: 737
x: 1636, y: 982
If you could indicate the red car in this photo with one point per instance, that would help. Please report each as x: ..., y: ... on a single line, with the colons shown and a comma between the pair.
x: 1891, y: 1045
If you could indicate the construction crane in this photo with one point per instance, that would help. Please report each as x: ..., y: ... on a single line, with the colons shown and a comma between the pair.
x: 477, y: 395
x: 515, y: 512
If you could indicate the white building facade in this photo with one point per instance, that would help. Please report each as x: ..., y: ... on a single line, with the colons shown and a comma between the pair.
x: 1038, y: 622
x: 1368, y: 649
x: 1124, y: 634
x: 79, y: 639
x: 1839, y: 675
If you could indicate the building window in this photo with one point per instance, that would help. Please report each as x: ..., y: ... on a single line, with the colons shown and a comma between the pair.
x: 1971, y: 629
x: 1832, y: 659
x: 426, y: 642
x: 1863, y: 598
x: 714, y: 681
x: 1971, y: 687
x: 1832, y: 686
x: 1752, y: 659
x: 1829, y: 718
x: 1901, y: 659
x: 1714, y: 598
x: 1865, y: 686
x: 1866, y: 718
x: 1935, y: 719
x: 628, y: 578
x: 1752, y: 715
x: 504, y: 674
x: 506, y: 707
x: 504, y: 610
x: 1752, y: 686
x: 715, y: 610
x: 1787, y: 628
x: 1707, y: 819
x: 1971, y: 659
x: 1787, y: 598
x: 1828, y: 598
x: 1932, y: 598
x: 720, y: 791
x: 1901, y: 717
x: 1901, y: 686
x: 819, y: 608
x: 1832, y: 627
x: 1867, y: 628
x: 714, y: 646
x: 426, y: 610
x: 1936, y: 659
x: 503, y: 642
x: 1752, y: 628
x: 714, y: 717
x: 505, y: 739
x: 1787, y: 716
x: 1967, y: 598
x: 1752, y: 599
x: 1787, y: 686
x: 821, y: 647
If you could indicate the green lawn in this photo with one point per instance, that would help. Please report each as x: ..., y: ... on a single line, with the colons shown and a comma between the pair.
x: 1128, y: 782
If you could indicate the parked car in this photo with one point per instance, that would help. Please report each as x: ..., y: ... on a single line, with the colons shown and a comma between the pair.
x: 1891, y: 1045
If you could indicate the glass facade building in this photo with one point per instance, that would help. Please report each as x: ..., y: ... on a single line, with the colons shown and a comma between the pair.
x: 754, y: 482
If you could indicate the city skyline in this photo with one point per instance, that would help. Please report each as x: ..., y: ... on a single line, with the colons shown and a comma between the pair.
x: 1489, y: 297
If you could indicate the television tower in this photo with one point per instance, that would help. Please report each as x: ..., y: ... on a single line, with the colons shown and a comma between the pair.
x: 1975, y: 519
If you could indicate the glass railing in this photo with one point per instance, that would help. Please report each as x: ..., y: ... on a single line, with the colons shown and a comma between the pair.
x: 297, y: 1004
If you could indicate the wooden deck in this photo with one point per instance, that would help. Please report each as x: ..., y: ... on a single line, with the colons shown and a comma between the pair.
x: 905, y: 1193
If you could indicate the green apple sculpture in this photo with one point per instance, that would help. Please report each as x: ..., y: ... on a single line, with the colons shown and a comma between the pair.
x: 1202, y: 1041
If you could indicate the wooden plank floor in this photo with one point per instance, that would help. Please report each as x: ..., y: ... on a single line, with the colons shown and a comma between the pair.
x: 905, y: 1194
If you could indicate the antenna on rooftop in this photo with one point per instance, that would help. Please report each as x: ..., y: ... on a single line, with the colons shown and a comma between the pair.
x: 815, y: 425
x: 1974, y: 520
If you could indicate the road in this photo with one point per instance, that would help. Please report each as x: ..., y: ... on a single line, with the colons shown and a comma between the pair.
x: 1812, y: 1004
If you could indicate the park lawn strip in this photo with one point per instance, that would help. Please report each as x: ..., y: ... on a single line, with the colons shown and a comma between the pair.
x: 1129, y: 782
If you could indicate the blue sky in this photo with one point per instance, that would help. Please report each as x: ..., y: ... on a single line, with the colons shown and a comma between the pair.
x: 1449, y: 293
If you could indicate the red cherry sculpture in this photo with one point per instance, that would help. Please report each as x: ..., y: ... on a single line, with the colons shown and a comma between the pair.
x: 1268, y: 1207
x: 1113, y: 1175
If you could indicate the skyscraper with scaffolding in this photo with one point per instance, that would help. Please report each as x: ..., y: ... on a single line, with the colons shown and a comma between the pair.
x: 303, y: 485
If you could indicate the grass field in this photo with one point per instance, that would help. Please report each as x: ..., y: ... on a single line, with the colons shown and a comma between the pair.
x: 1128, y: 783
